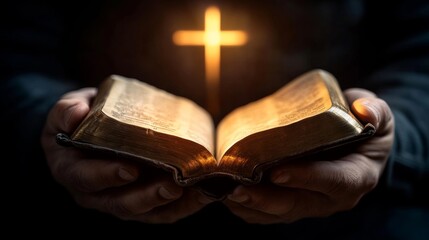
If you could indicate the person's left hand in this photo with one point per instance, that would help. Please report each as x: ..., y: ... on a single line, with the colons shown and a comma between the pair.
x: 320, y: 188
x: 122, y: 188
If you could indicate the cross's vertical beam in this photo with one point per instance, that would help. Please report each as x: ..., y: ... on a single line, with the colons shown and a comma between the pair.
x: 212, y: 38
x: 212, y: 58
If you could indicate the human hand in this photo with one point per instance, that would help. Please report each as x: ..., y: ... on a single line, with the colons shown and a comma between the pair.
x: 320, y: 188
x: 118, y: 187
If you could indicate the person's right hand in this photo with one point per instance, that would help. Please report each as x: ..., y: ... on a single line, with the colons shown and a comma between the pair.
x: 322, y: 186
x: 113, y: 186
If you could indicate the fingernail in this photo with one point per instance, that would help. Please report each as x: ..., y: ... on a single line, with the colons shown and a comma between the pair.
x: 372, y: 109
x: 364, y: 101
x: 239, y: 198
x: 167, y: 194
x: 126, y: 175
x: 281, y: 178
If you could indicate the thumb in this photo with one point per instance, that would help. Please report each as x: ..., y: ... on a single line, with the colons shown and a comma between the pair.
x: 373, y: 110
x: 370, y: 109
x: 70, y: 110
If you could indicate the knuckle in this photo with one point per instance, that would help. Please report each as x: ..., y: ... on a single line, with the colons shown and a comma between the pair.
x: 78, y: 180
x: 58, y: 170
x: 75, y: 179
x: 368, y: 176
x: 309, y: 179
x: 371, y: 181
x: 336, y: 184
x: 117, y: 208
x: 256, y: 203
x: 64, y: 109
x: 357, y: 182
x: 260, y: 204
x: 64, y: 105
x: 106, y: 204
x: 82, y: 200
x: 354, y: 179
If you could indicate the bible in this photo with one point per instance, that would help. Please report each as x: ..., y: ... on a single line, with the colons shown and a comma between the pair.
x: 135, y: 120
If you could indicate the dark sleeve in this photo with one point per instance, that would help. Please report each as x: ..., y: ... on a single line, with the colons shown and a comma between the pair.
x: 399, y: 35
x: 33, y: 75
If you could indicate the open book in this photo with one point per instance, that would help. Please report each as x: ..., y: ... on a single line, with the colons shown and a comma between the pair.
x: 133, y: 119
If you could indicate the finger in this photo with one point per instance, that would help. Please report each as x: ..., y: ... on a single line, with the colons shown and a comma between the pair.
x: 375, y: 111
x: 251, y: 215
x: 70, y: 110
x: 191, y: 202
x: 92, y: 175
x: 128, y: 202
x: 83, y: 94
x: 271, y: 204
x: 352, y: 94
x: 350, y: 176
x: 369, y: 108
x: 379, y: 114
x: 253, y: 205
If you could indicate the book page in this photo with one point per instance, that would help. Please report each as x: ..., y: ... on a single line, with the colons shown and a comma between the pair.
x: 300, y: 99
x: 142, y: 105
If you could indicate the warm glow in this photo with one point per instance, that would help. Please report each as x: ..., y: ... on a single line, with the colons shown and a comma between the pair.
x: 360, y: 110
x: 212, y: 38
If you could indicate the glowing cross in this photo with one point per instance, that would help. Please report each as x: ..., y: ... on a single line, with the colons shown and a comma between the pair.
x: 212, y: 38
